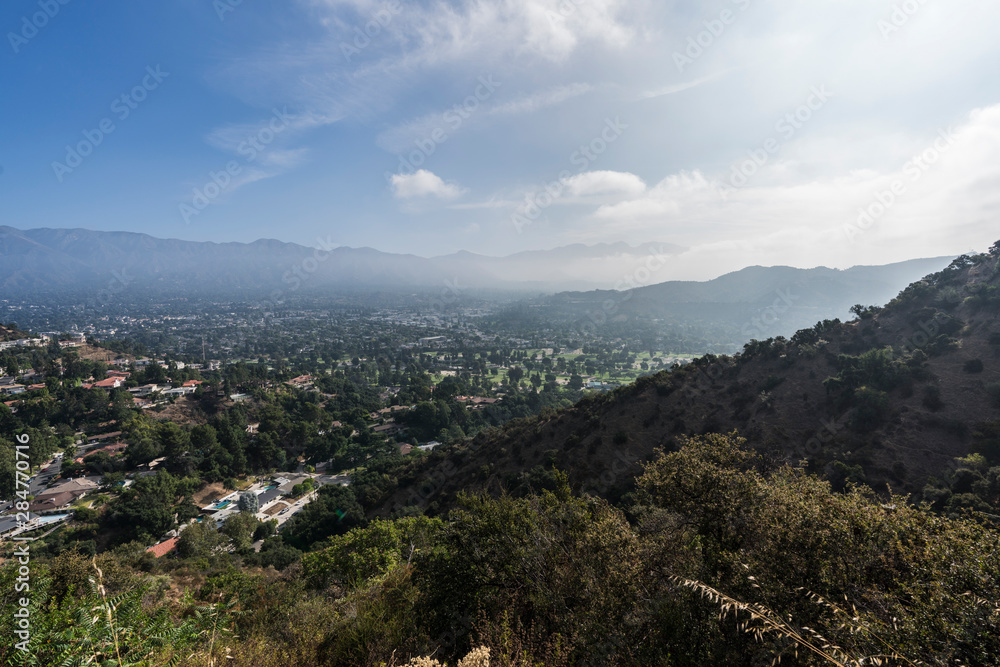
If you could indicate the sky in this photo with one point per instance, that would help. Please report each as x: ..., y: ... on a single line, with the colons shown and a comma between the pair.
x: 751, y: 132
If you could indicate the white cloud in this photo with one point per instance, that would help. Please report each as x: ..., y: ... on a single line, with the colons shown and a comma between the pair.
x: 947, y: 194
x: 423, y: 183
x: 604, y: 183
x: 441, y: 31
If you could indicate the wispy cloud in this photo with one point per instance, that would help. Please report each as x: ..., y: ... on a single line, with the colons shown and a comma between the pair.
x: 542, y: 100
x: 678, y: 87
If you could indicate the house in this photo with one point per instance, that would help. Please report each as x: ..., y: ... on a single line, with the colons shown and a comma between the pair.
x: 267, y: 497
x: 392, y: 409
x: 405, y: 449
x: 10, y: 523
x: 389, y: 429
x: 48, y: 502
x: 13, y: 389
x: 114, y: 435
x: 433, y: 340
x: 239, y: 398
x: 193, y: 383
x: 429, y: 446
x: 84, y: 484
x: 163, y: 548
x: 111, y: 450
x: 300, y: 381
x: 179, y: 391
x: 118, y: 374
x: 62, y: 495
x: 110, y: 383
x: 285, y: 484
x: 146, y: 389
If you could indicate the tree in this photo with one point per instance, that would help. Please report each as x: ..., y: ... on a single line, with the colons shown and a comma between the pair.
x: 277, y: 554
x: 265, y: 529
x: 199, y: 540
x: 249, y: 503
x: 363, y: 553
x: 239, y: 528
x: 334, y: 511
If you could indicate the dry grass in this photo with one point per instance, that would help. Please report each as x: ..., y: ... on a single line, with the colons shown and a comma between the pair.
x: 763, y: 624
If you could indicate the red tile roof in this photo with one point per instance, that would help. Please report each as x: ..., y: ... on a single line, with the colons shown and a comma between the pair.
x: 163, y: 548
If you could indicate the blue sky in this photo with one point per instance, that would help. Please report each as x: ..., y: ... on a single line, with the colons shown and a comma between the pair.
x: 750, y: 131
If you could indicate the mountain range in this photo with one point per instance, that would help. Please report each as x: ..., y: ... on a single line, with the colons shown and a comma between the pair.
x: 40, y: 260
x: 51, y: 259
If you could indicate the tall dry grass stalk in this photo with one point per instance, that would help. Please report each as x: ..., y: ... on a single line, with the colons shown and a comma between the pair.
x: 762, y: 623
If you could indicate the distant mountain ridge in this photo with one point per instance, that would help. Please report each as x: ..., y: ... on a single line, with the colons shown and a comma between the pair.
x: 755, y: 302
x: 41, y: 259
x: 46, y: 260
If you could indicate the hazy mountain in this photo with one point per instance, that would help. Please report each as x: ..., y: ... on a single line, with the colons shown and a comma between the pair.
x: 574, y: 266
x: 40, y: 260
x: 756, y: 302
x: 47, y: 259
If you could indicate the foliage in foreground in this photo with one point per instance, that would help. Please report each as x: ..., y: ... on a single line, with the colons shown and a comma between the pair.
x: 718, y: 562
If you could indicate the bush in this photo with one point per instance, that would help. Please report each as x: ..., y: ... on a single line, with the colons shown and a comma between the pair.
x: 994, y: 391
x: 973, y: 366
x: 771, y: 382
x: 871, y: 407
x: 932, y: 398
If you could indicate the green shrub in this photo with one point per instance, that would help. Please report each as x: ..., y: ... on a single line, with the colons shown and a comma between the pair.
x: 871, y: 407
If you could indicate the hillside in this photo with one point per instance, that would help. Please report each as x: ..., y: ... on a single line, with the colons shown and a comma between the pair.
x: 890, y: 399
x: 11, y: 333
